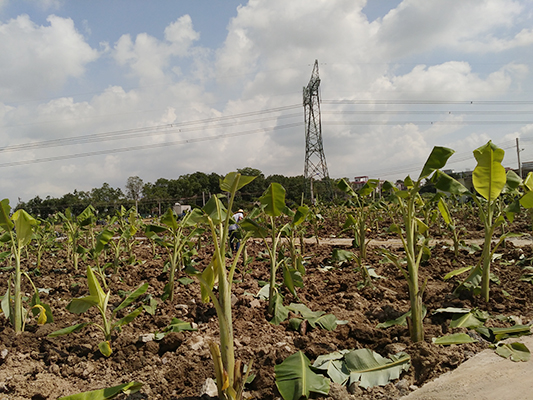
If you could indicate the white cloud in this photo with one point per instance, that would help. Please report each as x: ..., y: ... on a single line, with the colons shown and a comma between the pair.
x: 265, y: 60
x: 465, y: 25
x: 36, y: 59
x: 148, y: 57
x: 450, y: 81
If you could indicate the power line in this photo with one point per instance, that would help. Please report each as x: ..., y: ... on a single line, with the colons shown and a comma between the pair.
x: 472, y: 102
x: 152, y: 146
x: 154, y: 130
x: 488, y: 122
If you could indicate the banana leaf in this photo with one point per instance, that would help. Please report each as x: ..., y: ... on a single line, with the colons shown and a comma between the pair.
x: 132, y: 297
x: 334, y: 366
x: 295, y: 379
x: 371, y: 369
x: 515, y: 351
x: 105, y: 394
x: 456, y: 338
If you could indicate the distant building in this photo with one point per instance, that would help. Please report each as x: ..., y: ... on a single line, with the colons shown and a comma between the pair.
x: 359, y: 182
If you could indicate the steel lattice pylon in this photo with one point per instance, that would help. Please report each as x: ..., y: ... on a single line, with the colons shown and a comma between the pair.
x: 315, y: 159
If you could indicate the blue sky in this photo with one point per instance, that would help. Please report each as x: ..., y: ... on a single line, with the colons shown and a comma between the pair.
x: 94, y: 92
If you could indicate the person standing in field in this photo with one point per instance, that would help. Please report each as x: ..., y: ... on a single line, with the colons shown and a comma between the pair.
x: 234, y: 241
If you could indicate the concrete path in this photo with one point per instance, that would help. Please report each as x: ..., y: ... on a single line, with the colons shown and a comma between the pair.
x: 486, y: 376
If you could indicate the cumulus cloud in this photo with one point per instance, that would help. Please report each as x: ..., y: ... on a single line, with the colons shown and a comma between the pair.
x: 36, y: 59
x: 148, y: 58
x: 267, y: 57
x: 417, y: 25
x: 450, y: 81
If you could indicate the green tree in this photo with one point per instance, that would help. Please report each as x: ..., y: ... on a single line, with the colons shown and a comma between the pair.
x: 106, y: 199
x: 134, y: 187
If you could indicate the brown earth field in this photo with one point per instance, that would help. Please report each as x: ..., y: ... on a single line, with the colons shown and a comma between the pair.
x: 37, y: 367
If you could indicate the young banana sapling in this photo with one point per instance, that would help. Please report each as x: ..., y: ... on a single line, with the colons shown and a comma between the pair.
x: 358, y: 221
x: 18, y: 234
x: 229, y: 372
x: 490, y: 181
x: 99, y: 299
x: 411, y: 234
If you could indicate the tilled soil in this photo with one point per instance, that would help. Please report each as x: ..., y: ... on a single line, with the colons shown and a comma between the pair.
x: 34, y: 366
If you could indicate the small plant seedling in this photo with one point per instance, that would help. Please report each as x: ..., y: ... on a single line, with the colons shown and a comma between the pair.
x: 100, y: 300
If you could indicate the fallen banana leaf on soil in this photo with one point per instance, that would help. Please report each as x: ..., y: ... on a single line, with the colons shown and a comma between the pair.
x: 107, y: 393
x: 456, y: 338
x: 295, y: 379
x: 371, y: 369
x: 333, y: 364
x: 496, y: 334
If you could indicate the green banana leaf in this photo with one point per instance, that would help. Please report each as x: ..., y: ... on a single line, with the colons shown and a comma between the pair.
x: 79, y: 306
x: 274, y: 200
x: 70, y: 329
x: 177, y: 325
x: 105, y: 394
x: 215, y: 210
x: 280, y: 311
x: 235, y: 178
x: 436, y: 160
x: 346, y: 188
x: 496, y: 334
x: 455, y: 338
x: 103, y: 239
x: 24, y: 224
x: 5, y: 210
x: 468, y: 320
x: 515, y: 351
x: 295, y: 379
x: 371, y: 369
x: 333, y: 364
x: 489, y: 176
x: 128, y: 318
x: 132, y: 297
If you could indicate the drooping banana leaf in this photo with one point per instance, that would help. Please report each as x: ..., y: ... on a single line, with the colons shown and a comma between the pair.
x: 105, y: 394
x: 295, y: 379
x: 132, y: 297
x: 371, y: 369
x: 280, y: 311
x: 70, y: 329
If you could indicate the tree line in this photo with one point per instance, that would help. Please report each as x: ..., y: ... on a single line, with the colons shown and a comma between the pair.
x: 155, y: 198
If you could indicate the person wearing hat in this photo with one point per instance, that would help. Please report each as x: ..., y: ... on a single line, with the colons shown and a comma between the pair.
x: 234, y: 241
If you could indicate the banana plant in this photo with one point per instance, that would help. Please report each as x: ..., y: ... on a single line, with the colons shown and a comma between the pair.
x: 73, y: 226
x: 44, y: 236
x: 125, y: 224
x: 490, y: 181
x: 176, y: 240
x: 358, y: 221
x: 411, y: 234
x: 99, y: 299
x: 293, y: 231
x: 229, y: 372
x: 273, y: 206
x: 18, y: 233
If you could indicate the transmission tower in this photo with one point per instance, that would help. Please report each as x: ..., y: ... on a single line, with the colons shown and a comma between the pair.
x: 315, y: 159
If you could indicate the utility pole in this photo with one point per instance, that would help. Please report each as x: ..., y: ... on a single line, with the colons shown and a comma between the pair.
x: 518, y: 155
x: 315, y: 159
